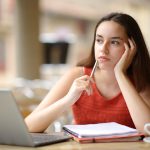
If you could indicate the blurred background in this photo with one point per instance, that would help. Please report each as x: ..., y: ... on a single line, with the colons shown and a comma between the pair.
x: 41, y: 39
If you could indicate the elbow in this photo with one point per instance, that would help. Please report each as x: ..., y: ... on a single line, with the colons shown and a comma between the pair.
x: 145, y: 129
x: 32, y: 127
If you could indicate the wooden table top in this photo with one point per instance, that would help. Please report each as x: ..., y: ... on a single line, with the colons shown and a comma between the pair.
x: 72, y: 145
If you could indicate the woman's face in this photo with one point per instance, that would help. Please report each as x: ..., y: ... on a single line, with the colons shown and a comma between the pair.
x: 109, y: 44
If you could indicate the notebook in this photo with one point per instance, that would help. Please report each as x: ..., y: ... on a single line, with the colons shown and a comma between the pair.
x: 13, y: 130
x: 102, y: 132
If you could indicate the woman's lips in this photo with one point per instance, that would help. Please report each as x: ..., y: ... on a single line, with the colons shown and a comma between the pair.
x: 103, y: 59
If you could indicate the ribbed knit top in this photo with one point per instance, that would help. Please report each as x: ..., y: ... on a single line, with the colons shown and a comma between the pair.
x: 97, y: 109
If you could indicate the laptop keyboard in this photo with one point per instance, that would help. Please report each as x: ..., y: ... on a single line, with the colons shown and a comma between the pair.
x: 48, y: 138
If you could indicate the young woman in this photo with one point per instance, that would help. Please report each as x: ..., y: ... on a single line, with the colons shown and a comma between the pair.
x: 118, y: 91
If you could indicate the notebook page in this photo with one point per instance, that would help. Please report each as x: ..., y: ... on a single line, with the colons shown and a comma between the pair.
x: 101, y: 129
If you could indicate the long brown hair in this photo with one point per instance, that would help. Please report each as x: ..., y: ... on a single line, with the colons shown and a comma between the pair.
x: 139, y: 70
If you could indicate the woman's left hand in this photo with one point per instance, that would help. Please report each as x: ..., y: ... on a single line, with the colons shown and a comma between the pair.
x: 127, y: 57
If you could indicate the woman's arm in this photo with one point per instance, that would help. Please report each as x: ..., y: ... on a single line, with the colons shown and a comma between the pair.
x: 55, y: 103
x: 137, y: 103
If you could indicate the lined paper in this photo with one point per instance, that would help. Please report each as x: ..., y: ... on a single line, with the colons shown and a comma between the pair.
x: 101, y: 129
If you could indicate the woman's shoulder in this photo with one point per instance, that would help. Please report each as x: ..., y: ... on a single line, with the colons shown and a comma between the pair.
x: 80, y: 71
x: 76, y: 72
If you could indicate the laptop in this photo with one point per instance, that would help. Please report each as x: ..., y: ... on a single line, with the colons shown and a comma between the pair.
x: 13, y: 130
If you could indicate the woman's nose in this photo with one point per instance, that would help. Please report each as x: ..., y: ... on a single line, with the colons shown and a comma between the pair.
x: 104, y: 48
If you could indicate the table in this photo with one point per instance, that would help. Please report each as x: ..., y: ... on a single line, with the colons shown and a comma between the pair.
x: 72, y: 145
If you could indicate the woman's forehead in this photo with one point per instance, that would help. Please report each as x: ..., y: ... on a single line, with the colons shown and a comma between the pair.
x: 110, y: 28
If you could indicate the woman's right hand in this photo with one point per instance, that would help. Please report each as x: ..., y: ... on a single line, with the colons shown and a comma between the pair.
x: 79, y: 85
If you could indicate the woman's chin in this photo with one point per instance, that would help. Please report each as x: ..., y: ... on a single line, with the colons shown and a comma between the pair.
x: 106, y: 67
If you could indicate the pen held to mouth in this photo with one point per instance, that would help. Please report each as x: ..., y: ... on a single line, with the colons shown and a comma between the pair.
x: 91, y: 75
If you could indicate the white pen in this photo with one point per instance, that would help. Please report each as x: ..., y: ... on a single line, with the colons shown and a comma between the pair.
x: 93, y: 69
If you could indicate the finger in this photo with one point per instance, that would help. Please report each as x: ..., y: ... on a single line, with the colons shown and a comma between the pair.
x: 132, y: 44
x: 88, y: 92
x: 126, y: 49
x: 126, y: 46
x: 86, y: 87
x: 84, y: 84
x: 91, y: 90
x: 91, y: 80
x: 85, y: 80
x: 85, y: 77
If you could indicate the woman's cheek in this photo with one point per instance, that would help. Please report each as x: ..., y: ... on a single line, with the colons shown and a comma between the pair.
x: 96, y: 53
x: 122, y: 52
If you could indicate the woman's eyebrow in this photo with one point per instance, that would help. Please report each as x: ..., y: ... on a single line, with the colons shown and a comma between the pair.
x: 115, y: 37
x: 97, y: 35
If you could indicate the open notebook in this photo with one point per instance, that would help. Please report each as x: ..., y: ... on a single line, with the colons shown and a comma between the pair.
x: 13, y: 130
x: 102, y: 132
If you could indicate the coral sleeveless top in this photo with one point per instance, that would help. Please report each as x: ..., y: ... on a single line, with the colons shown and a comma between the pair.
x: 97, y: 109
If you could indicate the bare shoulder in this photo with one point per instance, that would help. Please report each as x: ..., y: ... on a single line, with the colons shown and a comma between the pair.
x: 67, y: 79
x: 146, y: 95
x: 74, y: 72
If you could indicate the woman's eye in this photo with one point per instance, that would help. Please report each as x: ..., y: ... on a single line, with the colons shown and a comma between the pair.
x: 115, y: 42
x: 99, y: 40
